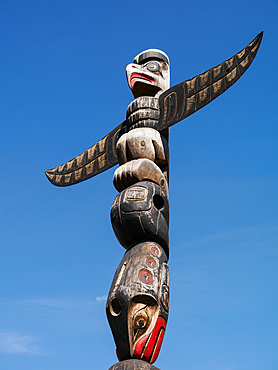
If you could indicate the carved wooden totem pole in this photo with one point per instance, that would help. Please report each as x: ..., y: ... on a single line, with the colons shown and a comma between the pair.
x: 138, y: 302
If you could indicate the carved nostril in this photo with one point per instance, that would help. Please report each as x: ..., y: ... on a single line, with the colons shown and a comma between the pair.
x: 143, y: 143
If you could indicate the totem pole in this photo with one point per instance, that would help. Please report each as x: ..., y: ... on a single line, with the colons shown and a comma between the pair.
x: 138, y: 301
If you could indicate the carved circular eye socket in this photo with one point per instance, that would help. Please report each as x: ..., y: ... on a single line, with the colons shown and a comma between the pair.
x: 115, y: 307
x: 153, y: 67
x: 141, y: 320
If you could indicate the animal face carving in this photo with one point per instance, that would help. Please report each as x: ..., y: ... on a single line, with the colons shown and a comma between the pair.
x: 138, y: 302
x: 143, y: 311
x: 146, y: 328
x: 149, y: 74
x: 141, y: 212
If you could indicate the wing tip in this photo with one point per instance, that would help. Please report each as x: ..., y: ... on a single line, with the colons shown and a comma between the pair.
x: 258, y: 39
x: 260, y: 36
x: 49, y: 176
x: 52, y: 178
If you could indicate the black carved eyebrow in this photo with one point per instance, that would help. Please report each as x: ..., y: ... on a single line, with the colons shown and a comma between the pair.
x: 150, y: 55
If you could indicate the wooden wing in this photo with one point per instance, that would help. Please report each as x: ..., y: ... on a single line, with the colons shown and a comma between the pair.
x: 98, y: 158
x: 184, y: 99
x: 175, y: 104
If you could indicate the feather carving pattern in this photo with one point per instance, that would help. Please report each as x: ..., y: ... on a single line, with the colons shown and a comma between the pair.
x: 184, y: 99
x: 176, y: 103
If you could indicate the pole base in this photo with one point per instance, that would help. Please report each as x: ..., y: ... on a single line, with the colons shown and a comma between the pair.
x: 133, y: 365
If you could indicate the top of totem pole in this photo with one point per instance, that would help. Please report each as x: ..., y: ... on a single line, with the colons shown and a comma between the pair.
x: 151, y: 54
x: 149, y: 74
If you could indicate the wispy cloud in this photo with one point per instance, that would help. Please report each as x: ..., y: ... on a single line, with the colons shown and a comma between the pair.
x: 102, y: 298
x: 15, y: 343
x: 99, y: 299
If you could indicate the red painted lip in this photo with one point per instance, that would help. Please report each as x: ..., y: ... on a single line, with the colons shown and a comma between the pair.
x: 148, y: 347
x: 140, y: 76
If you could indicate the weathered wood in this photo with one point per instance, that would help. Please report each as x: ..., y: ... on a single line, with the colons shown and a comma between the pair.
x: 175, y: 104
x: 137, y: 115
x: 143, y: 102
x: 98, y: 158
x: 138, y: 302
x: 138, y: 170
x: 149, y: 75
x: 141, y: 213
x: 133, y: 365
x: 143, y: 111
x: 141, y: 143
x: 189, y: 96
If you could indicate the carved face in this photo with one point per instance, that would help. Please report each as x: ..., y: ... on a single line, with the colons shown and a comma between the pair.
x: 141, y: 212
x: 146, y: 328
x: 138, y: 302
x: 149, y: 74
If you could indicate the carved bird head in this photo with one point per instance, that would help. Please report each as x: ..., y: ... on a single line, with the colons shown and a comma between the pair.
x: 149, y: 74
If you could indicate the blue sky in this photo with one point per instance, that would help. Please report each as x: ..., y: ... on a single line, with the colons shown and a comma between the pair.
x: 63, y: 87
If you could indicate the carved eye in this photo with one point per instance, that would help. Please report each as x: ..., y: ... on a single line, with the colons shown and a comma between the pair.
x: 141, y: 320
x: 153, y: 67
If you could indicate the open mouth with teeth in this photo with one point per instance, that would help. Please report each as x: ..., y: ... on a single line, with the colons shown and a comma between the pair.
x: 140, y: 77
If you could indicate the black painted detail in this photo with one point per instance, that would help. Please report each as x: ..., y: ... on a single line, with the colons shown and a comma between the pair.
x: 184, y: 99
x: 135, y: 302
x: 141, y: 213
x: 150, y: 55
x: 175, y: 104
